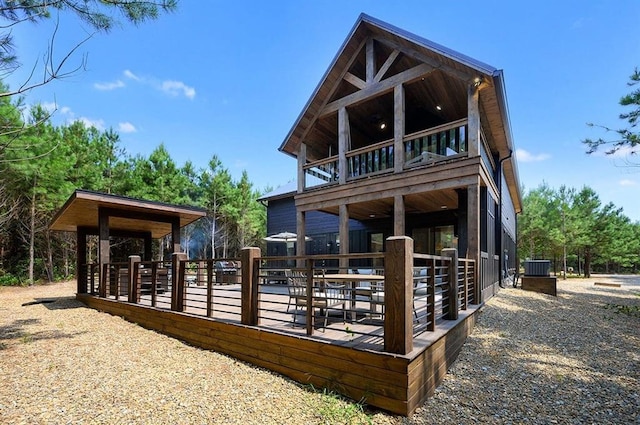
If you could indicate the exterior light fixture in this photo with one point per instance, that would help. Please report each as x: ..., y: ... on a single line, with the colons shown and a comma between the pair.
x: 383, y: 125
x: 443, y: 207
x: 439, y: 108
x: 477, y: 81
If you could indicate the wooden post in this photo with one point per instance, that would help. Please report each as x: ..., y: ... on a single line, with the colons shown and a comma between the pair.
x: 343, y: 144
x: 250, y: 280
x: 344, y: 237
x: 179, y: 287
x: 309, y: 316
x: 301, y: 229
x: 473, y: 119
x: 370, y: 62
x: 398, y: 215
x: 473, y: 233
x: 81, y: 261
x: 453, y: 282
x: 132, y: 278
x: 210, y: 287
x: 302, y: 160
x: 103, y: 250
x: 398, y: 298
x: 398, y: 128
x: 175, y: 234
x: 148, y: 242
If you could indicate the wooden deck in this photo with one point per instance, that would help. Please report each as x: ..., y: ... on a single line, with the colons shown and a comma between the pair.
x: 345, y: 357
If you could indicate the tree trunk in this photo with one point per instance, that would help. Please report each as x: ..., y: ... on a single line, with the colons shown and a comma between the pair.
x: 32, y: 235
x: 587, y: 263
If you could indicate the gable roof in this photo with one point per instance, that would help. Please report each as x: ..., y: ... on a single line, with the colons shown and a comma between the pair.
x: 493, y: 101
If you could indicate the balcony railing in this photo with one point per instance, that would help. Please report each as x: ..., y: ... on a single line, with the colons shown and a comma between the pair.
x: 424, y: 148
x: 436, y: 144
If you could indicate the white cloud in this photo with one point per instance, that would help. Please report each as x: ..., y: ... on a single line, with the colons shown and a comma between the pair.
x: 109, y: 86
x: 50, y: 107
x: 131, y: 75
x: 98, y: 124
x: 525, y: 156
x: 174, y: 88
x: 126, y: 127
x: 627, y: 182
x: 65, y: 110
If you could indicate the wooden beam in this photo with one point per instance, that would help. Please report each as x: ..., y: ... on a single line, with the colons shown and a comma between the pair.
x: 301, y: 224
x: 352, y: 79
x: 376, y: 89
x: 312, y: 119
x: 398, y: 128
x: 371, y: 61
x: 386, y: 65
x: 464, y: 76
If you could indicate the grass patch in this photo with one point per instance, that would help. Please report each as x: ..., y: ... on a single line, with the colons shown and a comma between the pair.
x: 629, y: 310
x: 336, y: 409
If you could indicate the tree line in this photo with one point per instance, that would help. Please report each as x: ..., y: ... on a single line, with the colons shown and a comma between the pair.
x: 41, y: 164
x: 577, y: 232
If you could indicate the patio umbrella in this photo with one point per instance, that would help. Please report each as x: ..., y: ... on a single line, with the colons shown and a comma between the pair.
x: 284, y: 237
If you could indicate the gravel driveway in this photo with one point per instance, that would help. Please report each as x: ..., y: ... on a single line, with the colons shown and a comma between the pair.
x: 532, y: 359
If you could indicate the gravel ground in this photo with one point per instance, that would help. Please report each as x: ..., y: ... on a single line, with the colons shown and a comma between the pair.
x: 532, y: 359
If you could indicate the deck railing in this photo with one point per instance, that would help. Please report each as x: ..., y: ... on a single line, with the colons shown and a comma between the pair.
x: 258, y: 291
x: 423, y: 148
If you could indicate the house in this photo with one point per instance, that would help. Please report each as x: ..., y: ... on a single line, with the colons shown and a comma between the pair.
x: 403, y: 137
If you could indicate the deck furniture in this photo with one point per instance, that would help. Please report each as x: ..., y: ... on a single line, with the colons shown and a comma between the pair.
x: 358, y: 283
x: 325, y: 295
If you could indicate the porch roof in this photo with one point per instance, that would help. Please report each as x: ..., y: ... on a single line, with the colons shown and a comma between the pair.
x: 131, y: 215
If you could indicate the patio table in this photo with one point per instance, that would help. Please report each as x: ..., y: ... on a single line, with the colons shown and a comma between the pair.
x: 352, y: 280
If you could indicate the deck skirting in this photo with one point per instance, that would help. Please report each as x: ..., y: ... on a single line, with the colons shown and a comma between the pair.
x: 395, y: 383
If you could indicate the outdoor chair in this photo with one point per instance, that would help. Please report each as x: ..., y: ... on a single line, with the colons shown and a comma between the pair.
x: 325, y: 296
x: 373, y: 292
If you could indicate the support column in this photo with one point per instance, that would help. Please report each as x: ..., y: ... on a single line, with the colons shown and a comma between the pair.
x: 179, y: 288
x: 344, y: 236
x: 370, y: 72
x: 398, y: 295
x: 132, y: 279
x: 343, y: 144
x: 398, y: 215
x: 148, y: 252
x: 250, y: 279
x: 473, y: 117
x: 81, y: 261
x: 473, y: 233
x: 301, y: 231
x: 398, y: 128
x: 302, y: 160
x: 103, y: 251
x: 175, y: 235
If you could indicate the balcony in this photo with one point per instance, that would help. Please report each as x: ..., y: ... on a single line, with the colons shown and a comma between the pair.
x: 429, y: 147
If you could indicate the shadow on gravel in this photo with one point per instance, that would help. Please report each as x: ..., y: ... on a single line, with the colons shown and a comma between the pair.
x: 17, y: 330
x: 61, y: 303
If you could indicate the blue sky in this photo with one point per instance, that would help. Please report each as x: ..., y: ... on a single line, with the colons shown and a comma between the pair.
x: 230, y: 78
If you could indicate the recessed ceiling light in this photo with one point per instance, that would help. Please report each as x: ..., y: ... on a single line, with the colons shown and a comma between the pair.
x: 383, y: 126
x: 439, y: 108
x: 443, y: 207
